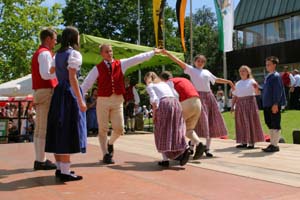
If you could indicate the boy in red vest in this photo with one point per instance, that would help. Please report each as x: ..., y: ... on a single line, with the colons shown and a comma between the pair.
x: 110, y: 76
x: 191, y: 108
x: 43, y: 83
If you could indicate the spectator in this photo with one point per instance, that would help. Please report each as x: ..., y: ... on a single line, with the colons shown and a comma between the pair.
x: 91, y: 114
x: 295, y: 91
x: 288, y: 80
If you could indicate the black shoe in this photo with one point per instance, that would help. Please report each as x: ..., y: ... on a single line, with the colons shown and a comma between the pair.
x: 110, y: 149
x: 191, y: 147
x: 132, y: 130
x: 241, y: 146
x: 47, y: 165
x: 200, y: 148
x: 185, y: 157
x: 164, y: 163
x: 58, y: 173
x: 107, y: 159
x: 69, y: 177
x: 250, y: 146
x: 207, y: 153
x: 271, y: 148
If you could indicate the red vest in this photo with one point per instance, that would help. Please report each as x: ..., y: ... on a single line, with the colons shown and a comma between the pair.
x: 109, y: 83
x: 286, y: 79
x: 184, y: 88
x: 37, y: 81
x: 129, y: 96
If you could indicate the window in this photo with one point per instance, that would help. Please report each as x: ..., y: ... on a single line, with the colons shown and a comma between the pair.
x: 254, y: 36
x: 278, y: 31
x: 296, y: 27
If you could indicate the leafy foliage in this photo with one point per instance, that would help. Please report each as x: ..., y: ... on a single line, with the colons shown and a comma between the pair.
x: 20, y: 23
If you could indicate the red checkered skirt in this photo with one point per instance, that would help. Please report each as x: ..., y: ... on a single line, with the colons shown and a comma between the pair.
x: 211, y: 123
x: 169, y: 131
x: 248, y: 128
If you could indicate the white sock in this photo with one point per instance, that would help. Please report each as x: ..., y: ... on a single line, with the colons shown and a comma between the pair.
x: 114, y: 136
x: 39, y: 145
x: 276, y: 136
x: 65, y: 167
x: 272, y: 141
x: 103, y: 144
x: 165, y: 158
x: 208, y: 142
x: 195, y: 140
x: 58, y: 165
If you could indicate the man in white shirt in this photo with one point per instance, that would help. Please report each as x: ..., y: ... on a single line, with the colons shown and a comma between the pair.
x: 43, y: 84
x: 295, y: 91
x: 111, y: 88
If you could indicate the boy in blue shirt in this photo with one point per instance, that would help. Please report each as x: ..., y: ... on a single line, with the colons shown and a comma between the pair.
x: 273, y: 98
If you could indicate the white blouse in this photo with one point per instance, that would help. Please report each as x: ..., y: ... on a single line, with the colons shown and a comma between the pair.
x: 159, y: 90
x: 244, y: 88
x: 201, y: 78
x: 74, y: 60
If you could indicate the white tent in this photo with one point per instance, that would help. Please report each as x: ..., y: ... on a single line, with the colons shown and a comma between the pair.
x: 19, y: 87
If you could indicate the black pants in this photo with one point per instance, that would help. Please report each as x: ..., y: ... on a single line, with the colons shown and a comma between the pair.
x: 295, y: 96
x: 272, y: 120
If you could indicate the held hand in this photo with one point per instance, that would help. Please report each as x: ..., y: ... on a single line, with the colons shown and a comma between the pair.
x: 164, y: 51
x: 52, y: 70
x: 157, y: 51
x: 232, y: 85
x: 255, y: 86
x: 292, y: 89
x: 275, y: 109
x: 82, y: 106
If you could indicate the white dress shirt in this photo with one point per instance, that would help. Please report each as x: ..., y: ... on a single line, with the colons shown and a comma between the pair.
x: 125, y: 64
x: 136, y: 96
x: 297, y: 80
x: 201, y: 78
x: 45, y: 61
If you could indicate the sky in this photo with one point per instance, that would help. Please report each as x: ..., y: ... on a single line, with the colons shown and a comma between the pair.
x: 196, y: 4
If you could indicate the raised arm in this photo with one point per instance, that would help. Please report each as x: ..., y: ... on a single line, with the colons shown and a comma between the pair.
x: 90, y: 80
x: 135, y: 60
x: 175, y: 59
x: 225, y: 81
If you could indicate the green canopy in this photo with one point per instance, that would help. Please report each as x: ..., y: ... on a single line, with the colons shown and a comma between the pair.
x: 89, y: 47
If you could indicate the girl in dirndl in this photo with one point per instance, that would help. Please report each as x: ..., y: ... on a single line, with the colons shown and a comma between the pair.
x: 211, y: 123
x: 66, y: 128
x: 168, y: 120
x: 248, y: 128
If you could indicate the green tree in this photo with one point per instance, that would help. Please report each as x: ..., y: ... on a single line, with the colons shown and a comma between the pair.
x: 20, y: 24
x: 117, y: 20
x: 205, y: 39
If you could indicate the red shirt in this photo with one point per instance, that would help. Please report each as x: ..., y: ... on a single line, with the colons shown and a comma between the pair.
x: 286, y: 79
x: 184, y: 88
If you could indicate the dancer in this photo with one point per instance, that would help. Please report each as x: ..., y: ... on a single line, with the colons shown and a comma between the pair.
x: 273, y: 98
x: 211, y: 123
x: 111, y: 88
x: 66, y: 130
x: 191, y: 107
x: 169, y: 126
x: 43, y: 83
x: 248, y: 128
